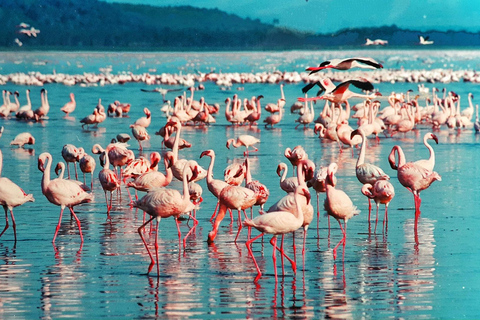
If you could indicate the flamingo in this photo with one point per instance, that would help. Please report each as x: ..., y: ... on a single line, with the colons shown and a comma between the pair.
x: 272, y: 107
x: 341, y: 93
x: 275, y: 223
x: 87, y: 165
x: 61, y: 192
x: 234, y: 174
x: 144, y: 121
x: 296, y: 155
x: 164, y: 203
x: 286, y: 184
x: 254, y: 116
x: 429, y: 163
x: 22, y: 139
x: 90, y: 119
x: 245, y: 140
x: 261, y: 191
x: 44, y: 108
x: 367, y: 172
x: 275, y: 118
x: 179, y: 164
x: 69, y: 107
x: 140, y: 133
x: 346, y: 64
x: 381, y: 192
x: 11, y: 196
x: 70, y: 153
x: 338, y: 205
x: 215, y: 186
x: 412, y: 176
x: 154, y: 179
x: 108, y: 180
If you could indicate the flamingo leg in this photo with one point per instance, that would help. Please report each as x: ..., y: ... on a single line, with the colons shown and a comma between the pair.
x: 58, y: 225
x: 76, y: 173
x: 249, y: 248
x: 178, y: 230
x: 152, y: 262
x: 294, y: 265
x: 156, y: 250
x: 14, y: 226
x: 195, y: 223
x: 340, y: 242
x: 91, y: 182
x: 369, y: 208
x: 385, y: 218
x: 68, y: 169
x: 84, y: 180
x: 214, y: 211
x: 6, y: 221
x: 78, y: 223
x: 376, y: 221
x: 305, y: 229
x: 273, y: 241
x: 239, y: 224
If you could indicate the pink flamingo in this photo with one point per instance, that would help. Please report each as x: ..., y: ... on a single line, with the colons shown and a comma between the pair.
x: 346, y: 64
x: 338, y: 205
x: 22, y: 139
x: 69, y: 107
x: 296, y: 155
x: 154, y: 179
x: 254, y: 116
x: 140, y: 134
x: 341, y: 93
x: 87, y: 165
x: 144, y: 121
x: 245, y: 140
x: 429, y: 163
x: 275, y: 118
x: 108, y: 180
x: 412, y: 176
x: 286, y: 184
x: 164, y: 203
x: 70, y: 153
x: 215, y: 186
x: 61, y: 192
x: 11, y: 196
x: 275, y: 223
x: 261, y: 191
x: 381, y: 192
x: 234, y: 174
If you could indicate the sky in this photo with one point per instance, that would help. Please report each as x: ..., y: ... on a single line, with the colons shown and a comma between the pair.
x: 327, y: 16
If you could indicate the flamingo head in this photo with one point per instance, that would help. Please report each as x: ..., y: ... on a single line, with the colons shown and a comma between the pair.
x: 169, y: 159
x: 331, y: 170
x: 147, y: 112
x: 41, y: 161
x: 229, y: 142
x: 208, y: 153
x: 433, y: 137
x: 367, y: 190
x: 281, y: 166
x: 304, y: 192
x: 31, y: 140
x: 354, y: 133
x: 58, y: 167
x: 155, y: 159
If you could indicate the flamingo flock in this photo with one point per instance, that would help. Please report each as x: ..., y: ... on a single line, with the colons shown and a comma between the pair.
x: 238, y: 190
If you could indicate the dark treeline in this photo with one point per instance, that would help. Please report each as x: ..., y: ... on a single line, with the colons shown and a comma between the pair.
x: 93, y: 24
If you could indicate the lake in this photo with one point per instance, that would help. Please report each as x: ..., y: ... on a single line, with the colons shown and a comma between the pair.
x: 383, y: 275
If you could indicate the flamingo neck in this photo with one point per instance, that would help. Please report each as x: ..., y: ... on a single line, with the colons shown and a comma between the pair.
x: 431, y: 160
x: 299, y: 207
x: 210, y: 169
x: 284, y: 174
x: 46, y: 173
x: 168, y: 172
x: 1, y: 162
x: 361, y: 156
x: 178, y: 126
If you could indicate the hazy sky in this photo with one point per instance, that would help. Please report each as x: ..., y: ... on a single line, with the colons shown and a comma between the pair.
x: 323, y: 16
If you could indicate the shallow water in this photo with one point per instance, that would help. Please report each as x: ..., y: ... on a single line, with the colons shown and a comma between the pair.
x: 382, y: 275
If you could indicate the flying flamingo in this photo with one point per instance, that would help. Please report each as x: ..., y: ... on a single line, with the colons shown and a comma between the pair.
x: 215, y: 186
x: 412, y: 176
x: 70, y: 153
x: 346, y: 64
x: 275, y: 223
x: 245, y: 140
x: 381, y: 192
x: 69, y: 107
x: 87, y: 165
x: 11, y: 196
x: 341, y: 93
x: 108, y: 180
x: 338, y: 205
x: 61, y: 192
x: 164, y: 203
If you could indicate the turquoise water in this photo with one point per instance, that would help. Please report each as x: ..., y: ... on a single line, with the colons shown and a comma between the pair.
x: 381, y: 276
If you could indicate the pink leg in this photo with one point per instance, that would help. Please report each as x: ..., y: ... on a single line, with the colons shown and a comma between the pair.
x: 68, y: 169
x: 239, y: 225
x: 305, y: 228
x: 369, y: 208
x: 294, y: 265
x: 294, y: 247
x: 156, y: 250
x: 249, y: 245
x: 178, y: 230
x: 281, y: 256
x: 340, y: 242
x: 221, y: 214
x: 6, y: 220
x: 91, y: 182
x: 214, y: 212
x: 78, y: 223
x: 273, y: 241
x: 385, y: 218
x: 195, y: 223
x: 14, y: 226
x: 58, y: 225
x: 376, y: 220
x: 76, y: 173
x: 152, y: 262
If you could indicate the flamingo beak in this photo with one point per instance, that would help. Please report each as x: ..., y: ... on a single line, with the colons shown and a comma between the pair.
x: 354, y: 132
x: 435, y: 138
x: 57, y: 169
x: 41, y: 165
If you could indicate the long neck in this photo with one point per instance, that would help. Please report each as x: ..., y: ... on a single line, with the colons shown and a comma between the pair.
x: 284, y: 174
x: 248, y: 175
x: 401, y: 156
x: 62, y: 170
x: 177, y: 141
x: 46, y: 174
x: 168, y: 171
x: 210, y: 169
x: 299, y: 207
x: 107, y: 161
x: 432, y: 152
x: 1, y: 162
x: 361, y: 156
x: 281, y: 92
x: 186, y: 193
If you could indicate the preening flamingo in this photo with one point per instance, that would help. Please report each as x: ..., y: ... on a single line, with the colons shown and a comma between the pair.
x: 163, y: 203
x: 338, y: 205
x: 11, y: 196
x: 108, y: 179
x: 61, y: 192
x: 381, y: 192
x: 275, y: 223
x: 153, y: 178
x: 412, y: 176
x: 87, y: 165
